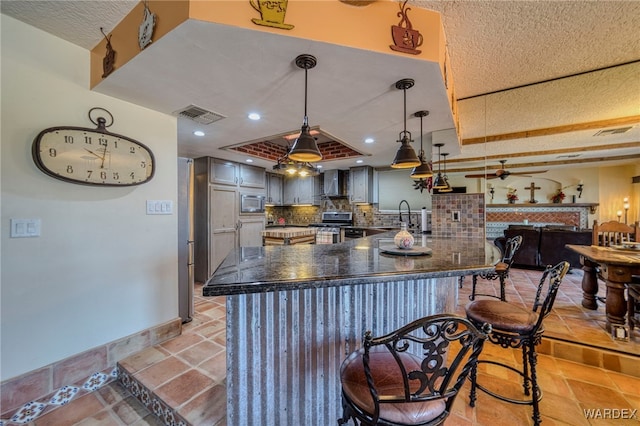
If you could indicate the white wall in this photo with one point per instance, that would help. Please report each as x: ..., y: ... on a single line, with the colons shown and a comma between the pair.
x: 102, y: 269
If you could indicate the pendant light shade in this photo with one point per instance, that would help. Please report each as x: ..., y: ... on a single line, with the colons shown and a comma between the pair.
x: 304, y: 147
x: 422, y: 171
x: 440, y: 182
x: 406, y: 157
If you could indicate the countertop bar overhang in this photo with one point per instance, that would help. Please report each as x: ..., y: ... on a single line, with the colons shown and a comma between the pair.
x: 274, y: 268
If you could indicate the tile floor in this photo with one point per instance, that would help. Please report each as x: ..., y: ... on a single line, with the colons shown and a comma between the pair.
x: 188, y: 374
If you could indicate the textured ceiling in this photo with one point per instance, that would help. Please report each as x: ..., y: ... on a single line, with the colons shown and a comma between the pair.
x: 493, y: 45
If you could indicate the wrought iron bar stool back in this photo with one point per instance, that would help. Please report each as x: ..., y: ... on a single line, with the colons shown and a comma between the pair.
x: 517, y: 327
x: 500, y: 271
x: 412, y: 375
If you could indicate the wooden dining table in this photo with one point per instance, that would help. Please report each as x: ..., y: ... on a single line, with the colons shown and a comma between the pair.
x: 616, y: 267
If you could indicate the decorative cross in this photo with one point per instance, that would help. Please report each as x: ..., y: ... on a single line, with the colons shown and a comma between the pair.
x: 533, y: 188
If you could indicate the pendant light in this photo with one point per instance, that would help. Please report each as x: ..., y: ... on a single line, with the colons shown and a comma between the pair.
x: 439, y: 182
x: 304, y: 147
x: 422, y: 171
x: 448, y: 187
x: 406, y: 157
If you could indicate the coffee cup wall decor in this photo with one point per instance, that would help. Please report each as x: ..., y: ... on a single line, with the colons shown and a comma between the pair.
x: 272, y: 13
x: 405, y: 38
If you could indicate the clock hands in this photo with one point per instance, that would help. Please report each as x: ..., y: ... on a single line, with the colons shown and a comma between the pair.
x: 104, y: 154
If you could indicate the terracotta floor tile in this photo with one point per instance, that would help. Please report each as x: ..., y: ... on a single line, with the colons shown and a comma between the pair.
x: 594, y: 396
x: 182, y: 342
x: 197, y: 354
x: 208, y: 408
x: 83, y: 407
x: 585, y: 373
x: 103, y: 418
x: 161, y: 372
x: 624, y: 383
x: 216, y: 367
x: 559, y: 407
x: 184, y: 387
x: 130, y: 410
x: 143, y: 359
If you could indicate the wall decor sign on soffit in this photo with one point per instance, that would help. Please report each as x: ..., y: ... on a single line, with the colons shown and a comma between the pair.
x: 405, y: 38
x: 272, y: 13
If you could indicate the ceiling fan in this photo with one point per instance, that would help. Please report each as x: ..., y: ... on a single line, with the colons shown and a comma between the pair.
x: 502, y: 173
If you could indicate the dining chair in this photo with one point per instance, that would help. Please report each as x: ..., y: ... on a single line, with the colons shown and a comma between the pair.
x: 614, y: 233
x: 512, y: 327
x: 410, y: 376
x: 500, y: 271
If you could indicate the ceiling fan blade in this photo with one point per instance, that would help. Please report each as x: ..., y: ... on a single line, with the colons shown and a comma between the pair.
x: 529, y: 173
x: 483, y: 176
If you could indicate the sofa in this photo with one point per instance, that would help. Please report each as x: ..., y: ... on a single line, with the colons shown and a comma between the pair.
x: 545, y: 245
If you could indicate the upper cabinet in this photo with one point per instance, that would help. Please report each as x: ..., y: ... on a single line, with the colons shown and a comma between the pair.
x: 252, y: 176
x: 301, y: 190
x: 361, y: 184
x: 237, y: 174
x: 274, y: 189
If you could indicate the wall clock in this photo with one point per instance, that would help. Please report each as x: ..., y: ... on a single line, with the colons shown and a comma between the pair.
x: 92, y: 156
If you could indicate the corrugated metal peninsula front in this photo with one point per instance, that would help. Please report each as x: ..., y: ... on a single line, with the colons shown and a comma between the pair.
x: 284, y: 348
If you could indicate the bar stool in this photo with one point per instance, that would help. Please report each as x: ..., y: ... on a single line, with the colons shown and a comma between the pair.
x: 516, y: 327
x: 500, y: 271
x: 412, y: 375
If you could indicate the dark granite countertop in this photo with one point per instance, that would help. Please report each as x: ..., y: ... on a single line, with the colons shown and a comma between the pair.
x: 358, y: 261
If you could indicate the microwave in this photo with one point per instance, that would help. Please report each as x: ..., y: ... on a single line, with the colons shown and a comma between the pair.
x: 250, y: 203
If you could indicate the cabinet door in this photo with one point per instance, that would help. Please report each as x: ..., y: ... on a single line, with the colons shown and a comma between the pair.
x: 223, y: 172
x: 224, y: 221
x: 251, y: 232
x: 360, y: 185
x: 290, y: 191
x: 274, y: 189
x: 252, y: 176
x: 305, y: 190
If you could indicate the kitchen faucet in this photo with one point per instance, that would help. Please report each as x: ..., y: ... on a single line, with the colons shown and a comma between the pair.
x: 410, y: 225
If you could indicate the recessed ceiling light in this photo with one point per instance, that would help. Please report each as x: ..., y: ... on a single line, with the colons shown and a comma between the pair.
x: 319, y: 166
x: 198, y: 133
x: 249, y: 160
x: 369, y: 140
x: 254, y: 116
x: 359, y: 161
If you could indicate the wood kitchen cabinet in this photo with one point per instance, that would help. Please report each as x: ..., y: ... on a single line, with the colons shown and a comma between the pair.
x: 237, y: 174
x: 301, y: 190
x: 274, y: 189
x: 250, y: 231
x: 219, y: 227
x: 361, y: 184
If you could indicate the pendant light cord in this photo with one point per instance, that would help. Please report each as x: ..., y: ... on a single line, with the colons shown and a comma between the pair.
x: 306, y: 119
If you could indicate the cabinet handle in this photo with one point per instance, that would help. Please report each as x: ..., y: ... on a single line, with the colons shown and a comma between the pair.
x: 241, y: 181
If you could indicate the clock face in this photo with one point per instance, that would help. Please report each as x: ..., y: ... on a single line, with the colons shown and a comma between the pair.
x: 92, y: 157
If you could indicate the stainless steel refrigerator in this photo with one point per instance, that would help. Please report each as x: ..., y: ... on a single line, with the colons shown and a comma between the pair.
x: 185, y: 239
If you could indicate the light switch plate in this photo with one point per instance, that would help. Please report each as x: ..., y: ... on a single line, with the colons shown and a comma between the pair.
x: 159, y: 207
x: 25, y: 228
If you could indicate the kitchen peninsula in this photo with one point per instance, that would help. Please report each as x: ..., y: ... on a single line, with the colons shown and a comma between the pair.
x: 295, y: 312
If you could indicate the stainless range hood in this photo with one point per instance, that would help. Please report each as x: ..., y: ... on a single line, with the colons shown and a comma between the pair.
x: 334, y: 183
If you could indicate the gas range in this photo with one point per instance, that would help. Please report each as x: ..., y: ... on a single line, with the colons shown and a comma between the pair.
x: 334, y: 220
x: 329, y: 231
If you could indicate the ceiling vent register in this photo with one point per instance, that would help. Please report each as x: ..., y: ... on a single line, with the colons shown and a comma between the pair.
x: 199, y: 115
